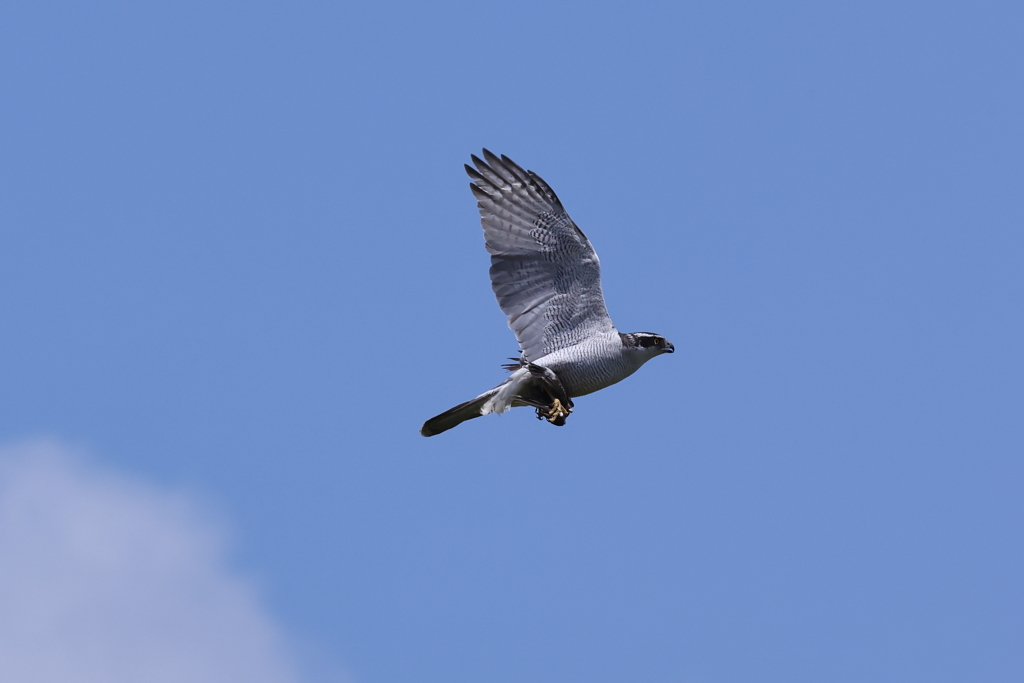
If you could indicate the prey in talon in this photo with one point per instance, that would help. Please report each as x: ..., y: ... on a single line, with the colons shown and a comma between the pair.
x: 547, y: 279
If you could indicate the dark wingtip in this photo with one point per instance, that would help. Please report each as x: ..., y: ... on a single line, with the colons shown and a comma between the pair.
x: 478, y: 192
x: 491, y: 157
x: 475, y: 174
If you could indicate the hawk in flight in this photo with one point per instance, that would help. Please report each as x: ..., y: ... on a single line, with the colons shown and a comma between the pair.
x: 547, y: 279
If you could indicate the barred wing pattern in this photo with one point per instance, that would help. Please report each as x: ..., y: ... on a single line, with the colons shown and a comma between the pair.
x: 544, y: 272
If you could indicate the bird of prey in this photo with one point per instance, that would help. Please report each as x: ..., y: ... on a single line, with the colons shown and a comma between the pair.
x: 547, y: 279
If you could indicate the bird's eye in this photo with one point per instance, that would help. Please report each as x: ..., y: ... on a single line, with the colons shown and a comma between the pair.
x: 657, y: 342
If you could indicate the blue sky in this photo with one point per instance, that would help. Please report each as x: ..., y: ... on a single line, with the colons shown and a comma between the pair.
x: 240, y: 265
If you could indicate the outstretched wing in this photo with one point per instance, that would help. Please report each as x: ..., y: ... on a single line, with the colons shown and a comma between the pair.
x: 545, y: 274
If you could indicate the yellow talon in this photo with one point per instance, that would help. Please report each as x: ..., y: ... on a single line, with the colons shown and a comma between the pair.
x: 558, y: 411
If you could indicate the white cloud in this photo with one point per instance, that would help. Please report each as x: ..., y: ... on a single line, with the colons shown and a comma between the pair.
x: 106, y: 578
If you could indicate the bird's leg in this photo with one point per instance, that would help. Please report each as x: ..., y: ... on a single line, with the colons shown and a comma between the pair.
x: 557, y: 413
x: 548, y: 395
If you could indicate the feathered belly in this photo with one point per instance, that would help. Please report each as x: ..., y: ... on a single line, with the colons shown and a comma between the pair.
x: 582, y: 371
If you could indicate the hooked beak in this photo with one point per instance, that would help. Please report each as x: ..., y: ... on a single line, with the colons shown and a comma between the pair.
x: 669, y: 347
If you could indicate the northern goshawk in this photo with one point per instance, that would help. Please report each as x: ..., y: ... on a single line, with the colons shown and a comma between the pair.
x: 547, y: 279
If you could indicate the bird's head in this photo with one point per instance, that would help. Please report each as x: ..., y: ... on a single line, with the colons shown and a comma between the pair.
x: 647, y: 343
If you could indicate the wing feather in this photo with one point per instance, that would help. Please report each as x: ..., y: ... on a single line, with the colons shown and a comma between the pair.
x: 544, y: 271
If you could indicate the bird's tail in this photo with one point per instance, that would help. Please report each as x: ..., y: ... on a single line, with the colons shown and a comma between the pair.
x: 459, y: 414
x: 499, y: 399
x: 528, y: 385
